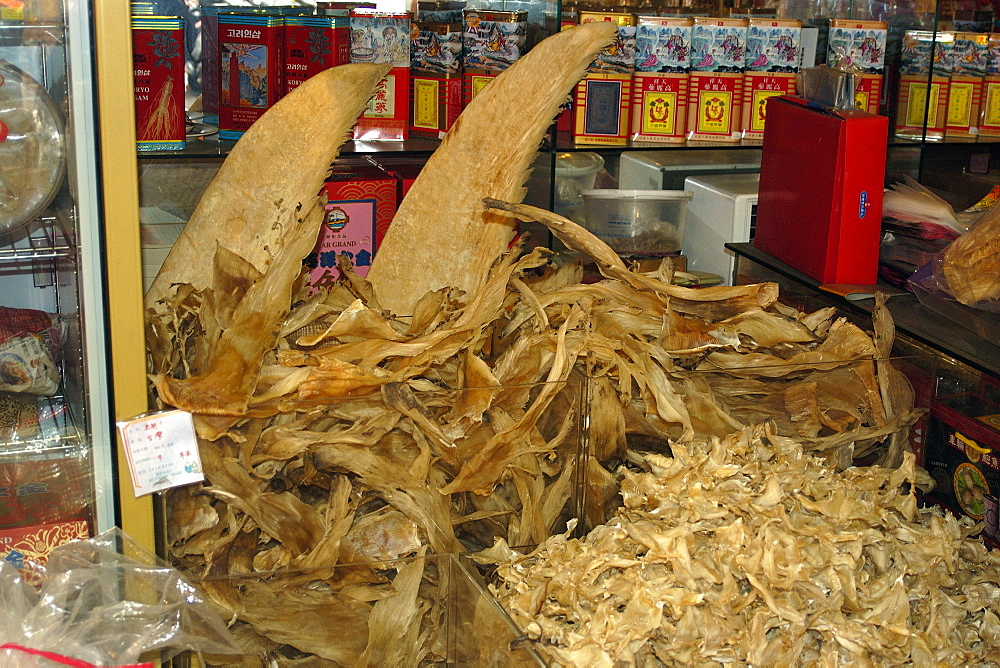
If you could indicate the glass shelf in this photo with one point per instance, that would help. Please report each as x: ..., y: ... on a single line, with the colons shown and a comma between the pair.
x: 203, y: 148
x: 44, y: 240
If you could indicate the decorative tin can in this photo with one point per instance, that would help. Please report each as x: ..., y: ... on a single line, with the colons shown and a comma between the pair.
x: 158, y: 74
x: 660, y: 82
x: 620, y: 56
x: 715, y: 89
x: 141, y: 8
x: 250, y: 69
x: 492, y: 40
x: 440, y: 11
x: 210, y: 60
x: 313, y: 44
x: 989, y: 115
x: 602, y: 109
x: 436, y: 77
x: 436, y: 47
x: 774, y: 51
x: 862, y: 44
x: 965, y: 90
x: 384, y: 37
x: 922, y: 109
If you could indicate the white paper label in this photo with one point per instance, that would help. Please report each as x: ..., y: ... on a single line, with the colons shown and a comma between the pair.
x: 162, y: 451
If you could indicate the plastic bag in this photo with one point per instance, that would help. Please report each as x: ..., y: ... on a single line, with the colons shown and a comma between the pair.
x: 105, y: 601
x: 29, y: 349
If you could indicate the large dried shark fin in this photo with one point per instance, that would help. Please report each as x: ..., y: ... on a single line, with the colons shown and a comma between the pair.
x: 442, y: 235
x: 277, y: 166
x: 245, y: 242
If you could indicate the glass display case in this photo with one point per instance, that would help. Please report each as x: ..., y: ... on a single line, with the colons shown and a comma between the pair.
x: 56, y: 443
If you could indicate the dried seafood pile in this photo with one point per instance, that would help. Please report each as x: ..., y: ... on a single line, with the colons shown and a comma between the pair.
x: 746, y: 551
x: 339, y: 437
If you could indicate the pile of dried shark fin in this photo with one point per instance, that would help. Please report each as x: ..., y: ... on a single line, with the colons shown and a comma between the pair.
x: 340, y: 436
x: 746, y: 550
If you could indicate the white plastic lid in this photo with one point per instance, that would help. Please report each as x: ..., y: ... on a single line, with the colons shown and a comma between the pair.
x: 638, y: 194
x: 581, y: 163
x: 32, y: 153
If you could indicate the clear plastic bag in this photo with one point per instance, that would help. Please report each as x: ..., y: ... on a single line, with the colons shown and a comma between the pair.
x: 105, y: 601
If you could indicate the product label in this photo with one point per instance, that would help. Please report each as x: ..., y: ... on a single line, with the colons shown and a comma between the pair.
x: 479, y: 83
x: 603, y: 112
x: 425, y: 103
x: 158, y: 74
x: 659, y: 113
x: 960, y: 104
x: 714, y: 111
x: 917, y: 104
x: 162, y: 451
x: 383, y: 102
x: 991, y: 115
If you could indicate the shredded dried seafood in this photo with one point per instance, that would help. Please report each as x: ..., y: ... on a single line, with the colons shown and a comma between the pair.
x: 337, y: 435
x: 746, y: 550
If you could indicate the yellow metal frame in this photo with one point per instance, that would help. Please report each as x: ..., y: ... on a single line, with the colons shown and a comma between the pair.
x: 113, y: 44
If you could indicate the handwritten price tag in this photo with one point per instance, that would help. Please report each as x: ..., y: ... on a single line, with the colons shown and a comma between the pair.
x: 162, y: 451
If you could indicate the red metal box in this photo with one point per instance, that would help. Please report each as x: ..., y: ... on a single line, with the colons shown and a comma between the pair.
x: 821, y: 178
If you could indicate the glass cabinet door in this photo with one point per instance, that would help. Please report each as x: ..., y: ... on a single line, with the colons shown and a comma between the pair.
x: 55, y: 440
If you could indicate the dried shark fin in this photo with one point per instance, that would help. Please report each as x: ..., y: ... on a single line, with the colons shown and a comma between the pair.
x: 487, y: 153
x: 270, y: 219
x: 256, y: 188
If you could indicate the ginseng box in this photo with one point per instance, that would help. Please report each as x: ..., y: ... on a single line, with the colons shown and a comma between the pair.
x: 715, y: 89
x: 965, y: 90
x: 384, y: 37
x: 314, y: 44
x: 916, y: 115
x: 989, y: 115
x: 602, y: 104
x: 862, y: 44
x: 774, y: 50
x: 158, y: 74
x: 660, y: 82
x: 251, y: 69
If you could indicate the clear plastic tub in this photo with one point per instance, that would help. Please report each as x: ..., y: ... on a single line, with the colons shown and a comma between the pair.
x: 575, y: 172
x: 637, y: 222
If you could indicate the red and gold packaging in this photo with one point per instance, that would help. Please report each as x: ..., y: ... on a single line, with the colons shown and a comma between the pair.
x: 313, y: 44
x: 384, y: 37
x: 436, y: 77
x: 965, y: 91
x: 917, y: 116
x: 863, y: 44
x: 715, y: 106
x: 660, y: 83
x: 715, y: 89
x: 602, y: 103
x: 158, y: 73
x: 774, y: 51
x: 989, y: 115
x: 251, y: 69
x: 437, y: 102
x: 361, y: 201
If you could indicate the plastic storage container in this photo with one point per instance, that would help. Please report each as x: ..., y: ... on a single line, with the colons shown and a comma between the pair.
x: 575, y: 172
x: 637, y: 222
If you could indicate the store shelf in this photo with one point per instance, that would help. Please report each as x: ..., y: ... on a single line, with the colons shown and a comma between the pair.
x: 203, y: 148
x: 55, y: 431
x: 912, y: 318
x: 43, y: 240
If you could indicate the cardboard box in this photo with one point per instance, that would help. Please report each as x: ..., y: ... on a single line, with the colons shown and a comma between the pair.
x: 158, y: 78
x: 962, y: 452
x: 27, y: 548
x: 620, y: 56
x: 602, y: 104
x: 660, y: 82
x: 965, y: 90
x: 916, y: 116
x: 862, y: 44
x: 313, y: 44
x: 989, y: 114
x: 774, y: 50
x: 361, y: 201
x: 821, y: 181
x: 251, y: 69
